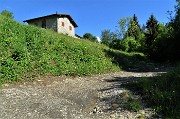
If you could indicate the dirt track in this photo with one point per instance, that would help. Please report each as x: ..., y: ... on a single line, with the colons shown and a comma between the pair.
x: 68, y: 98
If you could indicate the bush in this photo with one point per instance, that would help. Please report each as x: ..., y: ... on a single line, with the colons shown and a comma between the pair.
x: 129, y: 44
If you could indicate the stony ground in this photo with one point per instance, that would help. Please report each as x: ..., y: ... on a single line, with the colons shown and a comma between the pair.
x: 91, y: 97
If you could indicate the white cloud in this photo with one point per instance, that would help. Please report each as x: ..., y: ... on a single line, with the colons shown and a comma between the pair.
x: 98, y: 39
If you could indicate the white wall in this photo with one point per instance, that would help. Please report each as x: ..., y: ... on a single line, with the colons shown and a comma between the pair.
x: 65, y: 29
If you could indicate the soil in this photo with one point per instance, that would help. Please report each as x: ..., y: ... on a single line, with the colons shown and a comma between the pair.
x: 63, y: 97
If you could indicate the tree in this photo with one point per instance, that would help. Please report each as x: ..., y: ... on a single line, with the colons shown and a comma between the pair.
x: 152, y: 30
x: 90, y: 37
x: 133, y: 29
x: 7, y: 14
x: 107, y: 37
x: 122, y: 28
x: 135, y: 19
x: 143, y: 28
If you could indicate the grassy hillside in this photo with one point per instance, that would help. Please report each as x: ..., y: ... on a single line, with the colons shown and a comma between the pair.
x: 28, y: 51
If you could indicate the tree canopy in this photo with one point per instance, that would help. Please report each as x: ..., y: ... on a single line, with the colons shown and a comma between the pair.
x: 90, y: 37
x: 152, y: 30
x: 7, y: 14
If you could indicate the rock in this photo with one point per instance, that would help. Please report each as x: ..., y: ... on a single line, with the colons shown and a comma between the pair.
x: 121, y: 117
x: 112, y: 116
x: 29, y: 114
x: 95, y: 110
x: 142, y: 112
x: 115, y: 106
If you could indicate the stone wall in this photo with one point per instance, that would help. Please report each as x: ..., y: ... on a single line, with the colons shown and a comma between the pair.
x: 51, y: 23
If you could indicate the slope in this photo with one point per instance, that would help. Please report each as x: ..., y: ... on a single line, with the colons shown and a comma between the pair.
x: 28, y: 51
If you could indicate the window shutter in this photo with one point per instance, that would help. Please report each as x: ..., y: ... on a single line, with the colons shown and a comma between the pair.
x: 62, y: 23
x: 70, y: 28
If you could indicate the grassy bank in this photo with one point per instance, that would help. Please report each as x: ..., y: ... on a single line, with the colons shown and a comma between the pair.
x: 163, y: 92
x: 28, y: 51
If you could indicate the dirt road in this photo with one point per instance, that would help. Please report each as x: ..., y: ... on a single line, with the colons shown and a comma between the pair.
x: 92, y: 97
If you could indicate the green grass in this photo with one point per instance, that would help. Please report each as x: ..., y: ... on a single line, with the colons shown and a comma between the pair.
x: 28, y: 51
x: 133, y: 105
x: 163, y: 92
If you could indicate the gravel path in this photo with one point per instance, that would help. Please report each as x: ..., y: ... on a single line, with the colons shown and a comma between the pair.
x: 92, y: 97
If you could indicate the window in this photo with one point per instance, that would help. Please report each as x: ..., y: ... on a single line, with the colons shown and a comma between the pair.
x: 62, y: 23
x: 70, y: 28
x: 44, y: 23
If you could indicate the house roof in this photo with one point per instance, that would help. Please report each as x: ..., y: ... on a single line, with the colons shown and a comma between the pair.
x: 55, y: 15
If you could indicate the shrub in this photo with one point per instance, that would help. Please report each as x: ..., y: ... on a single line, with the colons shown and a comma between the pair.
x: 128, y: 44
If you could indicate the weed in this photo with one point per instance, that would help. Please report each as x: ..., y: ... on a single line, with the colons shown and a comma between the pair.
x: 133, y: 104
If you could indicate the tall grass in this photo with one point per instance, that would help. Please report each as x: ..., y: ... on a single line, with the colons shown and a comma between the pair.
x: 163, y: 92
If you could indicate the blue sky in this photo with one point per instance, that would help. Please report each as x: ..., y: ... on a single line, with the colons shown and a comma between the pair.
x: 92, y: 16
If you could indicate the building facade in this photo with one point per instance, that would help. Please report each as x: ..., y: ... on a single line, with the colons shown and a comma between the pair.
x: 61, y: 23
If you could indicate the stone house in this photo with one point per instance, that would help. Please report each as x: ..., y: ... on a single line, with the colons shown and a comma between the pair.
x: 61, y: 23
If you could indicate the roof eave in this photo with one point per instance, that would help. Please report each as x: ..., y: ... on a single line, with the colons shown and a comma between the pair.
x: 60, y: 15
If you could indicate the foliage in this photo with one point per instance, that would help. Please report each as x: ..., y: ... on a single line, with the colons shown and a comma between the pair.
x: 122, y: 27
x: 130, y: 102
x: 127, y: 37
x: 7, y: 14
x: 152, y: 28
x: 107, y: 37
x: 133, y: 104
x: 136, y: 20
x: 115, y: 44
x: 129, y: 61
x: 133, y: 28
x: 90, y: 37
x: 129, y: 44
x: 165, y: 46
x: 162, y: 91
x: 162, y: 48
x: 143, y: 28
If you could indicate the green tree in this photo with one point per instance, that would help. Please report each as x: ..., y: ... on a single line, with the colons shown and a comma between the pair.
x: 90, y: 37
x: 129, y: 44
x: 143, y: 28
x: 163, y: 45
x: 166, y: 44
x: 175, y: 42
x: 136, y: 35
x: 176, y: 20
x: 122, y: 27
x: 107, y: 37
x: 7, y: 14
x: 133, y: 28
x: 136, y: 20
x: 152, y: 30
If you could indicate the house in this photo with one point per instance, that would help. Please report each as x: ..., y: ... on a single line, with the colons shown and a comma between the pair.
x: 61, y: 23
